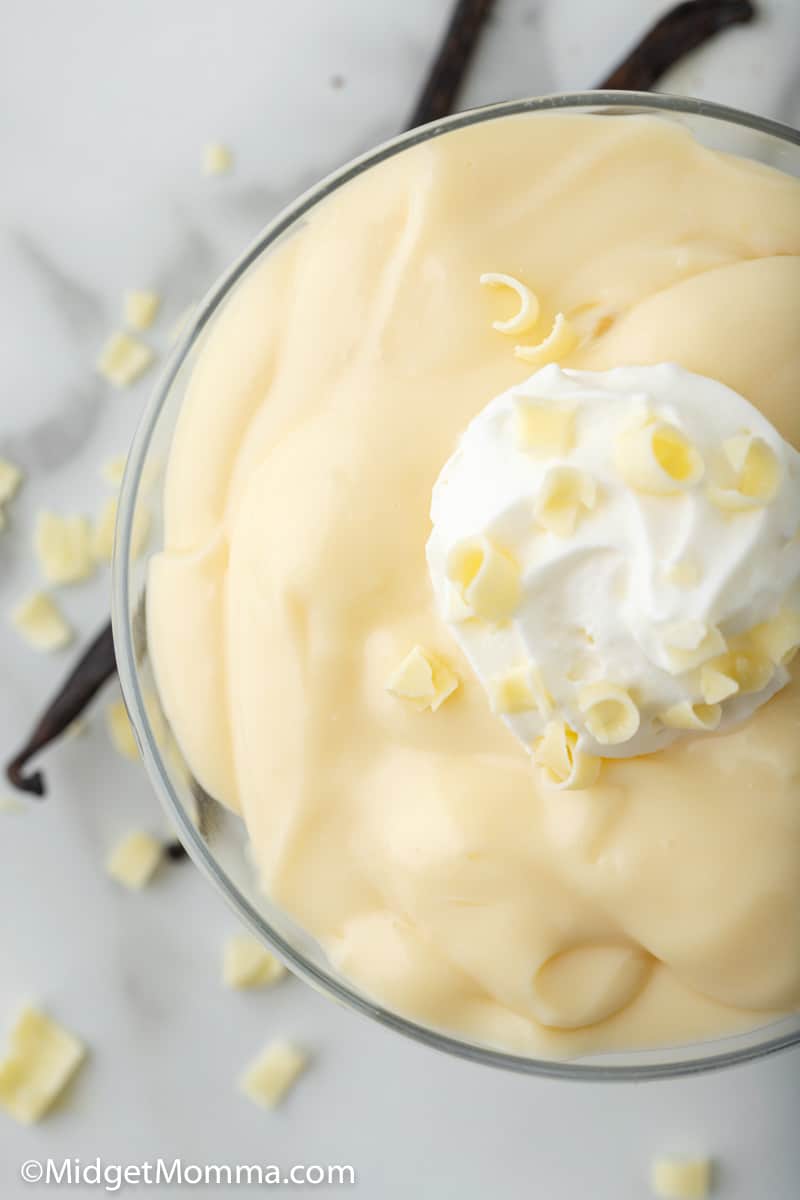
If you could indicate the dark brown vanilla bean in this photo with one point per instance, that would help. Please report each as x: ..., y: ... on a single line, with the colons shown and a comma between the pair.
x: 682, y: 29
x: 93, y: 669
x: 440, y: 90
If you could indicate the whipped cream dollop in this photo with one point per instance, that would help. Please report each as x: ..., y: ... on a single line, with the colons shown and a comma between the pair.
x: 617, y: 554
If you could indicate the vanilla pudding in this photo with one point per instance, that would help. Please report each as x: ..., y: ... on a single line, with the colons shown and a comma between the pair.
x: 478, y: 600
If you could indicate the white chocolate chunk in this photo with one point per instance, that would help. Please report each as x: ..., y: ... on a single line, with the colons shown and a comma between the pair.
x: 657, y: 458
x: 544, y: 427
x: 217, y: 159
x: 520, y: 690
x: 683, y: 574
x: 10, y: 804
x: 778, y: 638
x: 113, y: 469
x: 689, y: 644
x: 123, y: 359
x: 705, y: 717
x: 121, y: 730
x: 10, y: 480
x: 141, y: 309
x: 561, y: 340
x: 563, y: 764
x: 63, y: 547
x: 134, y: 860
x: 610, y: 713
x: 715, y: 685
x: 487, y: 577
x: 681, y: 1178
x: 39, y: 620
x: 565, y: 495
x: 269, y: 1077
x: 747, y: 475
x: 424, y: 679
x: 248, y: 964
x: 42, y: 1059
x: 527, y: 315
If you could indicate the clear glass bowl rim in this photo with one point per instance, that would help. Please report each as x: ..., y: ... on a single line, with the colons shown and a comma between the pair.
x: 585, y: 1070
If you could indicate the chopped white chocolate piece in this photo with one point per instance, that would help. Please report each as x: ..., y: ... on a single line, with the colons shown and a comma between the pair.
x: 745, y: 662
x: 705, y: 717
x: 487, y: 576
x: 681, y: 1178
x: 43, y: 1058
x: 134, y: 860
x: 424, y: 679
x: 683, y: 574
x: 141, y: 309
x: 747, y: 475
x: 609, y: 712
x: 455, y: 606
x: 121, y: 730
x: 561, y: 340
x: 658, y: 459
x: 562, y: 763
x: 41, y: 623
x: 544, y: 426
x: 689, y: 644
x: 520, y: 690
x: 715, y: 685
x: 565, y: 495
x: 10, y: 804
x: 113, y: 469
x: 269, y: 1077
x: 10, y: 480
x: 247, y: 964
x: 778, y: 638
x: 123, y: 359
x: 217, y: 159
x: 527, y: 315
x: 63, y: 547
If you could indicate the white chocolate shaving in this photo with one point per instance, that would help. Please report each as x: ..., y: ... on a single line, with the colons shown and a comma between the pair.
x: 745, y: 662
x: 248, y: 964
x: 610, y: 714
x: 527, y: 315
x: 715, y: 685
x: 217, y: 159
x: 681, y: 1178
x: 565, y: 494
x: 134, y: 860
x: 521, y: 689
x: 487, y: 577
x: 689, y: 644
x: 267, y: 1080
x: 562, y: 763
x: 39, y: 620
x: 747, y: 475
x: 779, y: 638
x: 141, y: 309
x: 123, y: 359
x: 658, y: 459
x: 560, y: 342
x: 42, y: 1059
x: 545, y: 427
x: 704, y: 717
x: 63, y: 547
x: 424, y: 679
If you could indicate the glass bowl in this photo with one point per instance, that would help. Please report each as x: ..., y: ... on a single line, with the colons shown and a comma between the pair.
x: 214, y: 837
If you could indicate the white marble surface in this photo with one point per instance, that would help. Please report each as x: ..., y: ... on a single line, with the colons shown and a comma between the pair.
x: 104, y: 109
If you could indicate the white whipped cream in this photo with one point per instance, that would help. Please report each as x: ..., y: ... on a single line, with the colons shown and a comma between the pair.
x: 618, y: 551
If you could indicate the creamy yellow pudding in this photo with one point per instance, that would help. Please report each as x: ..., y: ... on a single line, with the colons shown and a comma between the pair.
x: 441, y: 869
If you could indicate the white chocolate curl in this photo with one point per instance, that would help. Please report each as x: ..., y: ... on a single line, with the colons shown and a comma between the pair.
x: 528, y: 313
x: 605, y: 602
